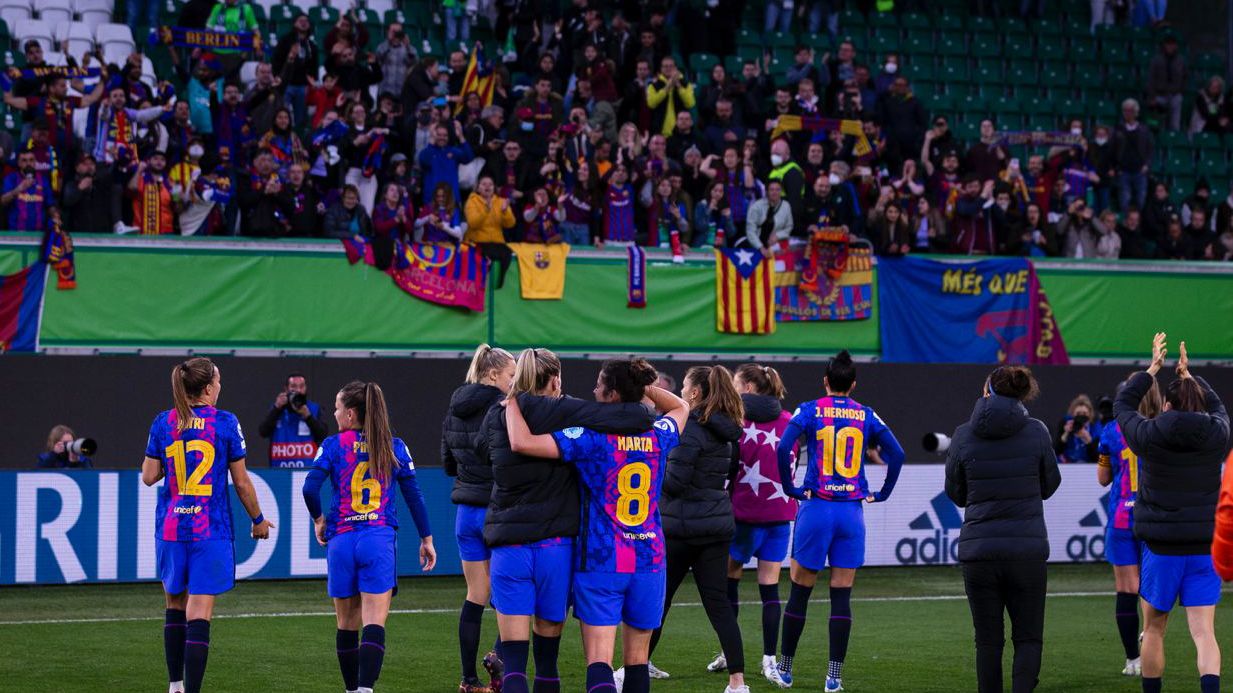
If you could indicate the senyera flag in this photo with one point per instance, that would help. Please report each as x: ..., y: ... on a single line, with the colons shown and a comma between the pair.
x: 442, y: 273
x: 478, y: 78
x: 744, y: 296
x: 21, y: 307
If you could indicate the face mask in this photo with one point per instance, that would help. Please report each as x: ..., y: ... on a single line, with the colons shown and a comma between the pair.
x: 891, y: 68
x: 1101, y: 140
x: 776, y: 160
x: 527, y: 126
x: 195, y: 151
x: 834, y: 179
x: 1004, y: 205
x: 1076, y: 131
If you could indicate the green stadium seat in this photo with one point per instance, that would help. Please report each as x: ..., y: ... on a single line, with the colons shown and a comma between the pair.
x: 985, y: 46
x: 1045, y: 26
x: 1017, y: 46
x: 1050, y: 48
x: 1082, y: 50
x: 397, y: 15
x: 1021, y: 72
x: 820, y: 42
x: 1207, y: 140
x: 954, y: 69
x: 781, y: 39
x: 951, y: 44
x: 915, y: 20
x: 960, y: 89
x: 987, y: 70
x: 1213, y: 167
x: 1178, y: 163
x: 918, y: 43
x: 850, y: 19
x: 1036, y: 105
x: 949, y: 21
x: 1207, y: 64
x: 966, y: 131
x: 942, y: 103
x: 1142, y: 54
x: 1054, y: 76
x: 323, y: 15
x: 980, y: 25
x: 1010, y: 25
x: 974, y: 106
x: 1040, y: 123
x: 1087, y: 75
x: 747, y: 37
x: 1102, y: 110
x: 1123, y: 77
x: 733, y: 64
x: 883, y: 21
x: 885, y: 42
x: 1113, y: 54
x: 1077, y: 26
x: 1174, y: 140
x: 283, y: 13
x: 921, y: 71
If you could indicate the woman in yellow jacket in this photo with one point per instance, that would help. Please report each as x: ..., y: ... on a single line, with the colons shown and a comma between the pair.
x: 488, y: 216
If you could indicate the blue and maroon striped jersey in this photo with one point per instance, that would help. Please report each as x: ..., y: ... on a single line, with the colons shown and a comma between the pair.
x: 360, y: 499
x: 193, y: 503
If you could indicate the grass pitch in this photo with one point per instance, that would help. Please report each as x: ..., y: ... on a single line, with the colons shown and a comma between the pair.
x: 912, y: 632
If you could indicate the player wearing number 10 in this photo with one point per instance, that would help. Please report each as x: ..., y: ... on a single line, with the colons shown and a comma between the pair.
x: 838, y: 433
x: 363, y: 463
x: 1119, y: 466
x: 620, y: 549
x: 194, y: 446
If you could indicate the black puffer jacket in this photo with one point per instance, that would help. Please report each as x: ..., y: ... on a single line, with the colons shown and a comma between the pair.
x: 533, y: 498
x: 1001, y: 467
x: 1181, y: 453
x: 695, y: 506
x: 459, y: 431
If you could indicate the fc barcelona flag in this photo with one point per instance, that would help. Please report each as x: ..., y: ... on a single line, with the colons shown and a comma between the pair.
x: 744, y: 295
x: 478, y: 78
x: 58, y: 253
x: 21, y: 307
x: 443, y: 273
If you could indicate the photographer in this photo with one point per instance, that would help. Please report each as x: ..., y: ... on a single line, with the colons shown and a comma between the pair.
x: 294, y: 425
x: 1078, y: 433
x: 64, y: 451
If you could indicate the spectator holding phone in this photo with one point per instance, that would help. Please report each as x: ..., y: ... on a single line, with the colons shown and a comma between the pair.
x: 1078, y: 433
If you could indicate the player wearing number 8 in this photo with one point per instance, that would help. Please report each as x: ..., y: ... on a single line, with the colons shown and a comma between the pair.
x: 619, y: 574
x: 194, y: 446
x: 363, y: 463
x: 837, y: 434
x: 1119, y: 466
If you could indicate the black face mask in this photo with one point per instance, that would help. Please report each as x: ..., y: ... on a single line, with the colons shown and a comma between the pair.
x: 27, y: 170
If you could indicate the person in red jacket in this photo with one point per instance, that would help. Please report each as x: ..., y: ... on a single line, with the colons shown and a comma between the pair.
x: 1222, y: 540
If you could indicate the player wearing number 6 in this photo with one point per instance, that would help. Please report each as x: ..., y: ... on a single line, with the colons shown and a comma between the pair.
x: 363, y: 463
x: 1119, y: 466
x: 194, y: 446
x: 837, y: 433
x: 619, y: 575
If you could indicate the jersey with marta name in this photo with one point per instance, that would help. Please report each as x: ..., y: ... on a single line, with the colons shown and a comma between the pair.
x: 1125, y: 486
x: 621, y: 477
x: 836, y: 432
x: 194, y: 503
x: 361, y: 500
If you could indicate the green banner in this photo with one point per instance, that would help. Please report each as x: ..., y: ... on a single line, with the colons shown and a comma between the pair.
x: 236, y: 294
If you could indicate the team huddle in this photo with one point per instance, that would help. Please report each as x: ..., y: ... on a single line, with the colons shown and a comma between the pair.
x: 605, y: 505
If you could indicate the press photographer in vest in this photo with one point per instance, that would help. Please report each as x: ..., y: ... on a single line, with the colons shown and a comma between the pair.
x: 294, y: 425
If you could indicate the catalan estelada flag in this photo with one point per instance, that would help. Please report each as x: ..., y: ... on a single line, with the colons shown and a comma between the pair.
x: 21, y: 306
x: 744, y: 295
x: 477, y: 78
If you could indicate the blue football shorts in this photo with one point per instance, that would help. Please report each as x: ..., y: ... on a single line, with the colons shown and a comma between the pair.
x: 200, y: 567
x: 829, y: 533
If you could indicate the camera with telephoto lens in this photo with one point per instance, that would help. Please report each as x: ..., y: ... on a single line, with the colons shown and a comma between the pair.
x: 1079, y: 422
x: 82, y: 447
x: 295, y: 400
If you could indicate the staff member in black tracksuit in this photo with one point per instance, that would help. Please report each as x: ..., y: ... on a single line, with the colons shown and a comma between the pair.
x: 488, y: 379
x: 1181, y: 451
x: 534, y: 514
x: 1001, y: 467
x: 697, y: 510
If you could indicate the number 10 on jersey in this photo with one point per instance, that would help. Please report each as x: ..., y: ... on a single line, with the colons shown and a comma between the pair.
x: 842, y: 450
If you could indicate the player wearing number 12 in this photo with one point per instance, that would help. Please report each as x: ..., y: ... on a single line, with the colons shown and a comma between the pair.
x: 194, y: 446
x: 1119, y: 466
x: 837, y: 434
x: 363, y: 463
x: 620, y: 549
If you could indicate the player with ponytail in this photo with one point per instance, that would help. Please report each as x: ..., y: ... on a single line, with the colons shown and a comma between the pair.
x: 618, y: 576
x: 363, y: 462
x: 194, y: 446
x: 761, y: 509
x: 697, y: 511
x: 838, y: 434
x: 488, y: 380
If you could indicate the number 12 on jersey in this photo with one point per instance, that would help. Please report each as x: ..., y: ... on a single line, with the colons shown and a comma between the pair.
x: 842, y: 450
x: 191, y: 485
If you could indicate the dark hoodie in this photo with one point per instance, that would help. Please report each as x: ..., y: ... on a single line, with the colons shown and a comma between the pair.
x: 459, y: 439
x: 534, y: 499
x: 1180, y: 454
x: 695, y: 505
x: 1001, y: 467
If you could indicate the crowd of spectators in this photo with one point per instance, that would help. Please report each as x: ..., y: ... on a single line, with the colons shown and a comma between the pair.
x: 596, y: 134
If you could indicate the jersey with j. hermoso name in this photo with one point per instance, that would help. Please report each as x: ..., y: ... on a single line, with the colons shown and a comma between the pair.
x: 837, y: 432
x: 621, y: 477
x: 194, y: 503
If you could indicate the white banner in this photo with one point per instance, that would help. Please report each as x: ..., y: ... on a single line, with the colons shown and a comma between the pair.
x: 919, y: 525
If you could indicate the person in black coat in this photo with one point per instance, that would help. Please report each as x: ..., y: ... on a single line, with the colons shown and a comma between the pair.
x: 1181, y: 451
x: 488, y: 379
x: 535, y: 512
x: 1001, y: 467
x: 697, y: 510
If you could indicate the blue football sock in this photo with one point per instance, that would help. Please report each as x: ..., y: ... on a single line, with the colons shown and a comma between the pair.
x: 840, y: 629
x: 174, y: 625
x: 1126, y: 611
x: 372, y: 654
x: 468, y: 636
x: 637, y: 679
x: 547, y: 650
x: 599, y: 678
x: 1151, y: 685
x: 514, y: 654
x: 196, y: 652
x: 1209, y: 683
x: 347, y: 642
x: 770, y: 617
x: 794, y: 621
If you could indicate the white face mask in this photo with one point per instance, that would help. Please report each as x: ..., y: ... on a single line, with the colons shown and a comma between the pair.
x: 195, y: 151
x: 776, y: 160
x: 834, y: 179
x: 1076, y: 131
x: 891, y: 68
x: 1101, y: 140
